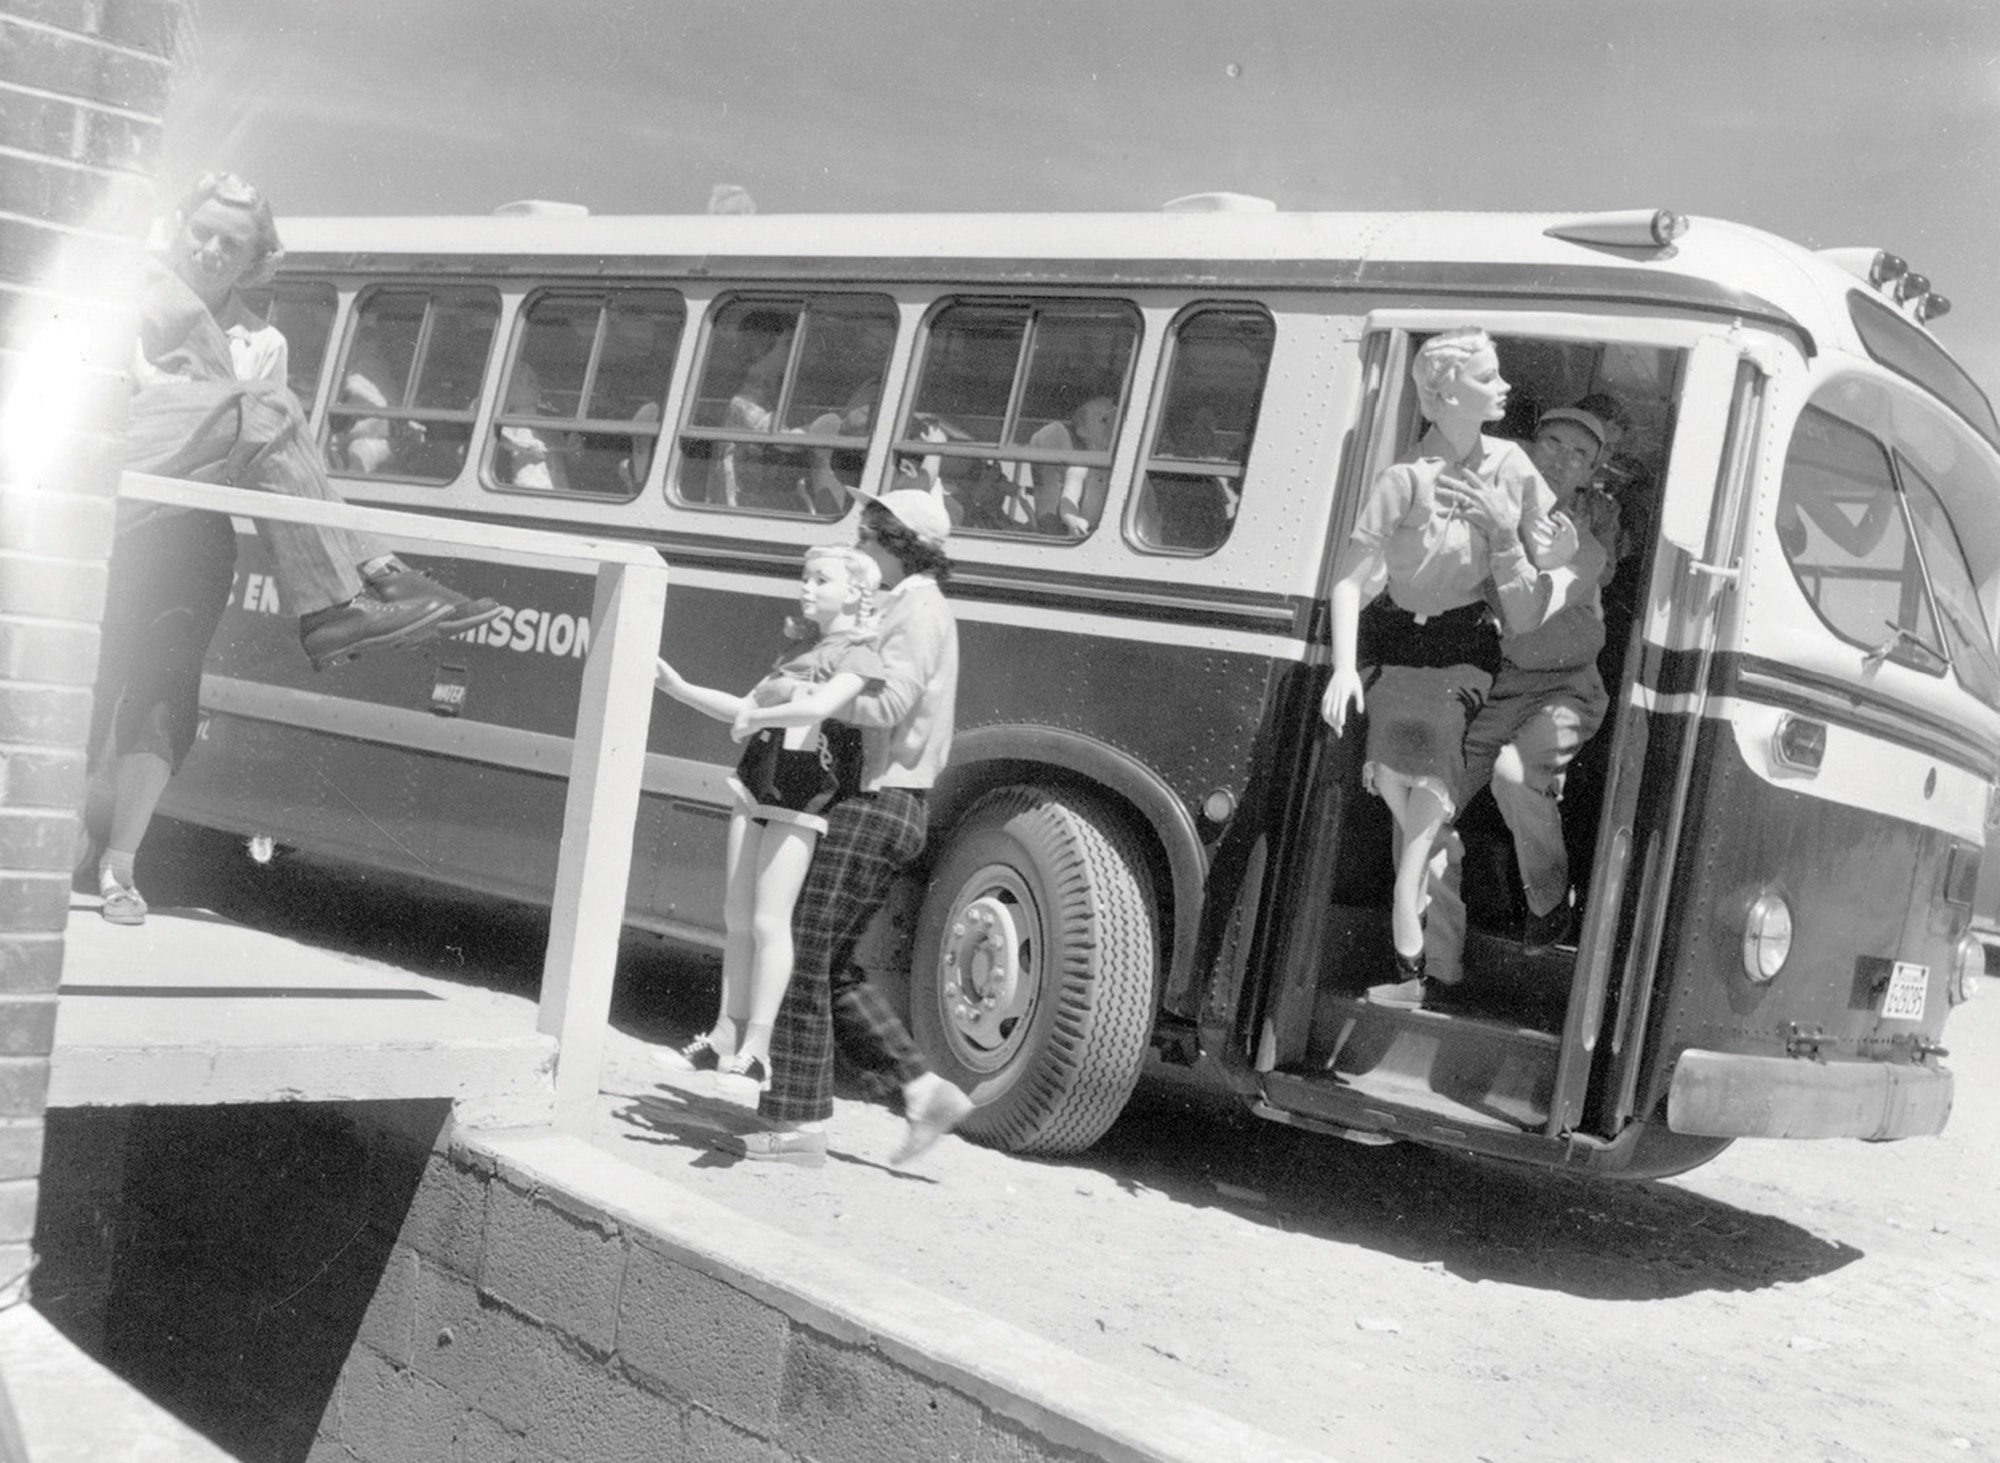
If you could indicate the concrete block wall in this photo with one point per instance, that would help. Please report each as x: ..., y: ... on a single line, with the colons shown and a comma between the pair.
x: 361, y: 1284
x: 83, y: 87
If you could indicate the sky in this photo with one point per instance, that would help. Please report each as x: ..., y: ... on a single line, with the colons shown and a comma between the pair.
x: 1840, y: 122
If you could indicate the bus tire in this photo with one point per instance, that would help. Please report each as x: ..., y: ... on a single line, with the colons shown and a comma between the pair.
x: 1033, y: 967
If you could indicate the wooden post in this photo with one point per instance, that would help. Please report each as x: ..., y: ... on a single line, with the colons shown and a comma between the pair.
x: 594, y: 865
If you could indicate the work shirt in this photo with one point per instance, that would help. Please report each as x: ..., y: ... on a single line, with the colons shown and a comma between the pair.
x: 906, y: 723
x: 257, y: 350
x: 1436, y: 560
x: 1569, y: 618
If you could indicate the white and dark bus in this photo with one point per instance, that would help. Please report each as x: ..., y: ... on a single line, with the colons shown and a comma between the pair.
x: 1153, y: 431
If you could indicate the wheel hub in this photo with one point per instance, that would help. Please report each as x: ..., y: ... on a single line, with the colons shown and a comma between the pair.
x: 984, y: 979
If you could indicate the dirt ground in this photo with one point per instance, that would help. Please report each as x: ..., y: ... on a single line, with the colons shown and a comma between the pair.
x: 1819, y: 1302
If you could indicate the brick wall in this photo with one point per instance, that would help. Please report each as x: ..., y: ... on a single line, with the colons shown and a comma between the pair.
x: 83, y: 86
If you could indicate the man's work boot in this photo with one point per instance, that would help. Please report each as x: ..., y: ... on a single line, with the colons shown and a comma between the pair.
x: 392, y: 581
x: 341, y: 632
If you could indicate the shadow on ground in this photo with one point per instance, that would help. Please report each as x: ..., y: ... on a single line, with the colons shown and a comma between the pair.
x: 1480, y: 1218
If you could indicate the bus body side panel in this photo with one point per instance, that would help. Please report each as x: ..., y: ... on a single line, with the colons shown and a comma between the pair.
x: 1827, y: 1052
x: 448, y: 761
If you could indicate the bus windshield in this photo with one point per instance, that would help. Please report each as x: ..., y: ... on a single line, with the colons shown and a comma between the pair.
x: 1887, y: 517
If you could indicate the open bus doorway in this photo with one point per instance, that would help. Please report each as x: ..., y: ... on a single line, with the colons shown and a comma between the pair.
x: 1500, y: 1061
x: 1632, y: 387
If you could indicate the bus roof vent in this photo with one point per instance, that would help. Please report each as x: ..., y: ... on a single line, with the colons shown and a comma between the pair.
x: 1219, y: 203
x: 1625, y: 228
x: 540, y: 207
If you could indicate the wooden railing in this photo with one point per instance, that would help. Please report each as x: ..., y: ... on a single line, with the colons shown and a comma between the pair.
x: 614, y: 710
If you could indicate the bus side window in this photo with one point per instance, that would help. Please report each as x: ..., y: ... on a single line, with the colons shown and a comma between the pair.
x: 1843, y: 532
x: 303, y: 312
x: 998, y: 377
x: 787, y: 396
x: 581, y: 408
x: 409, y: 385
x: 1191, y: 480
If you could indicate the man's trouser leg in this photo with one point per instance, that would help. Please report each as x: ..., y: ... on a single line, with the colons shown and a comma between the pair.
x: 251, y: 436
x: 1527, y: 784
x: 1444, y: 914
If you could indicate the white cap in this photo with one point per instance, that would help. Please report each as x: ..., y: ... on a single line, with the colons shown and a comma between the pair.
x: 920, y: 510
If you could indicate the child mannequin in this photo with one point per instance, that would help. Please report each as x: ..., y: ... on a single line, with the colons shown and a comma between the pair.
x: 789, y: 775
x: 1460, y: 516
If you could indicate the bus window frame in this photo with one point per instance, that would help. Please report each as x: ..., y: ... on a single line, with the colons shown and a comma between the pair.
x: 684, y: 396
x: 1152, y: 422
x: 335, y: 410
x: 299, y: 285
x: 1021, y: 454
x: 515, y: 319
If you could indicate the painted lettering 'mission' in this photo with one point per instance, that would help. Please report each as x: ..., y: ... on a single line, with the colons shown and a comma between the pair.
x: 530, y: 630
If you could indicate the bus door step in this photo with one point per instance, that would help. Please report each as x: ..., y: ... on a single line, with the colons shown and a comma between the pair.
x: 1458, y: 1067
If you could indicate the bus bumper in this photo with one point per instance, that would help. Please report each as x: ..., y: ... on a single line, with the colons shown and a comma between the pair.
x: 1720, y: 1095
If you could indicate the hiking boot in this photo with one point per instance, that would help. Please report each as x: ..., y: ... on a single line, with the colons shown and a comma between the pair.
x: 391, y: 580
x: 341, y: 632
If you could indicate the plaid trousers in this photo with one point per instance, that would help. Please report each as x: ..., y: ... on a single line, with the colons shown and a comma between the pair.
x: 869, y: 839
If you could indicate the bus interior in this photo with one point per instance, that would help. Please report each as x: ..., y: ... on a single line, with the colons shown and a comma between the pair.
x: 1511, y: 1005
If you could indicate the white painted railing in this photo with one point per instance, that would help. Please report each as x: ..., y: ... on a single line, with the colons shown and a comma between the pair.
x: 614, y: 711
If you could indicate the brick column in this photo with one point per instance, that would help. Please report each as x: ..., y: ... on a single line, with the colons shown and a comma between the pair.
x: 83, y: 89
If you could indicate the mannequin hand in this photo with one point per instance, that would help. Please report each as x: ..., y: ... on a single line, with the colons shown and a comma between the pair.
x: 1486, y: 506
x: 1343, y: 695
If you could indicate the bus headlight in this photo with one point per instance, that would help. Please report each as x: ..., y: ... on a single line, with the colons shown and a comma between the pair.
x: 1767, y: 938
x: 1966, y: 969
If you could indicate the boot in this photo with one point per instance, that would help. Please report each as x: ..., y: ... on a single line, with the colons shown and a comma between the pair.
x: 341, y: 632
x: 391, y: 580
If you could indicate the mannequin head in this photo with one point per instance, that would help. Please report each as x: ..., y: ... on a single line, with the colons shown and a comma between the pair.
x: 838, y: 579
x: 1457, y: 376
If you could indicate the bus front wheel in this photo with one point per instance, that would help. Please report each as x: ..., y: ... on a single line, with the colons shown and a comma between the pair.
x: 1033, y: 968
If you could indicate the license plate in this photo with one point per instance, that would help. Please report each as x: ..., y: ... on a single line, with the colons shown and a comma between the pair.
x: 1908, y: 984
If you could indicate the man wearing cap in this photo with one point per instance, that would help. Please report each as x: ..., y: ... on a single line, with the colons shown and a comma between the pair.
x: 871, y: 837
x: 1548, y: 698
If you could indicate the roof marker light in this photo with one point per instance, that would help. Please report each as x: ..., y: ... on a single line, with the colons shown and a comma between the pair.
x: 1932, y: 306
x: 1631, y: 228
x: 1912, y: 287
x: 1886, y: 267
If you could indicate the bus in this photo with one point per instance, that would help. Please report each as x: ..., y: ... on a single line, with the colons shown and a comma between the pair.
x: 1152, y: 432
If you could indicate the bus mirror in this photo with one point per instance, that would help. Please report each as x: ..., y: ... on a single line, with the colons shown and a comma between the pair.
x: 1701, y: 435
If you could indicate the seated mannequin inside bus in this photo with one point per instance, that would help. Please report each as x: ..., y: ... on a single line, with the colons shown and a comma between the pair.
x: 526, y: 459
x: 1069, y: 499
x: 1181, y: 511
